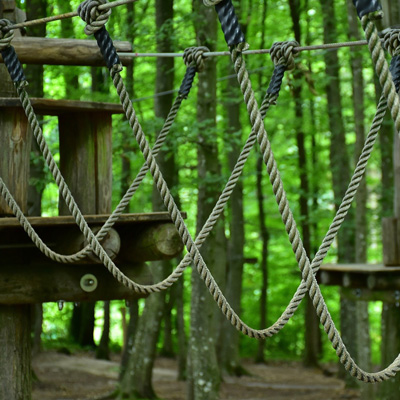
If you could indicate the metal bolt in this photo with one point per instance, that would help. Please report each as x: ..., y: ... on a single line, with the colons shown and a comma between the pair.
x: 88, y: 283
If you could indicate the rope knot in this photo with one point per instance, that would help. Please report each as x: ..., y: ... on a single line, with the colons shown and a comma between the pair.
x: 391, y: 42
x: 95, y: 19
x: 210, y: 3
x: 282, y: 53
x: 193, y: 56
x: 5, y: 37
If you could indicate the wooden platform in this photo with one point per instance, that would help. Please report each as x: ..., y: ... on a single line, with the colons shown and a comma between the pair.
x: 60, y: 107
x: 363, y: 281
x: 28, y: 276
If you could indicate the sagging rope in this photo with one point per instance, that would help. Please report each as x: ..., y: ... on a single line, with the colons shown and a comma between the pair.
x: 255, y: 116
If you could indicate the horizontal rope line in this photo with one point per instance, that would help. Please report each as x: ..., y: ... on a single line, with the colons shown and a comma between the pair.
x: 72, y: 14
x: 325, y: 46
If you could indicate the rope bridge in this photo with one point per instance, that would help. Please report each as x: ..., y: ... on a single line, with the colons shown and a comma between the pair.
x: 95, y: 13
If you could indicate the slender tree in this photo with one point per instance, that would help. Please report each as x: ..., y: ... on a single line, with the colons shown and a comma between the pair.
x: 362, y: 325
x: 203, y: 371
x: 264, y: 233
x: 230, y: 357
x: 340, y: 167
x: 312, y: 332
x: 137, y: 379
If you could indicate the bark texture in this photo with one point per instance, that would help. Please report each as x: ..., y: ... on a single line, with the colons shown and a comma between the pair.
x: 340, y: 167
x: 363, y: 342
x: 312, y: 336
x: 203, y: 371
x: 137, y: 379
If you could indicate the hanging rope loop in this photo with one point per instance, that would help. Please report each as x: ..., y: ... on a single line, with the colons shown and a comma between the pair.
x: 95, y: 19
x: 193, y: 56
x: 282, y: 53
x: 5, y: 37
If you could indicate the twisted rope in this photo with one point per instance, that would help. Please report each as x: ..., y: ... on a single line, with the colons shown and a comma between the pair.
x: 5, y: 37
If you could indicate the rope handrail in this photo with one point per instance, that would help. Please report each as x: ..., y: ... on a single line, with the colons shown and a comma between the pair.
x: 45, y: 20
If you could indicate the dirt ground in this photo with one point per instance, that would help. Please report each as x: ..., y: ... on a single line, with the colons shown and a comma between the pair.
x: 80, y: 376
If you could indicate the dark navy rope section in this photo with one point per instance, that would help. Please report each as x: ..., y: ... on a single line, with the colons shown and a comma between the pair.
x: 365, y: 7
x: 276, y: 79
x: 187, y: 81
x: 395, y: 71
x: 13, y: 65
x: 107, y: 47
x: 229, y: 23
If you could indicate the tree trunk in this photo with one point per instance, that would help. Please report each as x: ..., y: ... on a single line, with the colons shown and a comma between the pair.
x: 340, y: 167
x: 363, y: 343
x: 203, y: 371
x: 311, y: 337
x: 137, y: 380
x: 180, y: 327
x: 126, y: 138
x: 71, y: 78
x: 264, y: 234
x: 230, y: 357
x: 130, y: 336
x: 103, y: 349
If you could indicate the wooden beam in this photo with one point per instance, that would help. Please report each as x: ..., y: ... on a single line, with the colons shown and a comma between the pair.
x: 360, y: 276
x: 153, y: 242
x: 68, y: 220
x: 59, y: 107
x: 32, y: 283
x: 34, y: 50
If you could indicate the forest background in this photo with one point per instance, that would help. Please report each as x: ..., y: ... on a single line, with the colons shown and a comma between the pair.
x: 317, y: 127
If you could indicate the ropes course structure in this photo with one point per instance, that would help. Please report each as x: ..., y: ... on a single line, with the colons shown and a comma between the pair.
x: 95, y: 13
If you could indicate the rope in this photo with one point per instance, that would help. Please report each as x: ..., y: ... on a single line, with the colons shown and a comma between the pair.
x: 105, y: 6
x: 290, y: 225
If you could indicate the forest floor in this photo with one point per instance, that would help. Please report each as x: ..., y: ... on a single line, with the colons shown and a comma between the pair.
x: 80, y: 376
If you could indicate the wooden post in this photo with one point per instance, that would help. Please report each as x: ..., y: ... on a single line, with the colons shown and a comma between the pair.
x: 15, y: 327
x: 86, y: 164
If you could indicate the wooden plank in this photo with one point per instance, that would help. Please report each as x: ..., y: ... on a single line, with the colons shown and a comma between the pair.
x: 34, y: 50
x: 360, y: 268
x: 32, y: 283
x: 68, y: 220
x: 58, y: 107
x: 15, y: 142
x: 391, y: 254
x: 371, y: 295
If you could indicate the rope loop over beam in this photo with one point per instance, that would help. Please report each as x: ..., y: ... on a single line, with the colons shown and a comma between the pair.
x: 5, y: 36
x: 95, y: 19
